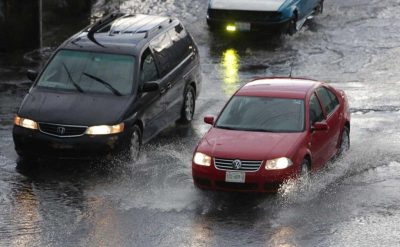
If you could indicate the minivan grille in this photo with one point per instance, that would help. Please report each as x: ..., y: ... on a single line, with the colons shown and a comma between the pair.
x: 243, y: 15
x: 246, y: 165
x: 62, y: 130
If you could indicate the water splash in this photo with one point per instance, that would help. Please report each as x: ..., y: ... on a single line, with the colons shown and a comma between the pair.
x: 356, y: 162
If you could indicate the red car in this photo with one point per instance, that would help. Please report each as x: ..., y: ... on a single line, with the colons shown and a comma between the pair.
x: 272, y: 129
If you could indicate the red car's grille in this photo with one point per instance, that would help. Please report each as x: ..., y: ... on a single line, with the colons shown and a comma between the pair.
x: 245, y: 165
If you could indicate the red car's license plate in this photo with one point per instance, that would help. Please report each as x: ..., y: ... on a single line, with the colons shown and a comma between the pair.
x: 235, y: 177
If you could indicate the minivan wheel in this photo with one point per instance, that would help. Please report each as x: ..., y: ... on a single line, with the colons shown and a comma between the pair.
x: 188, y: 106
x: 135, y: 143
x: 26, y: 162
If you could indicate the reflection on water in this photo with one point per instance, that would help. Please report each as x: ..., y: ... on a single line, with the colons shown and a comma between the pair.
x: 202, y: 233
x: 282, y: 237
x: 104, y: 230
x: 25, y: 225
x: 230, y: 64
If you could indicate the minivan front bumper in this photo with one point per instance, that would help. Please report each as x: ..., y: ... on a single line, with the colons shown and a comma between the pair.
x: 34, y: 143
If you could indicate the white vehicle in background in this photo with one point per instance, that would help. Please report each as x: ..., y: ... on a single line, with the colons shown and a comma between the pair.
x: 261, y: 15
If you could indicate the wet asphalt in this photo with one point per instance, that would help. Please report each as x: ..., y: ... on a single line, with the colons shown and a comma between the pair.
x: 354, y: 45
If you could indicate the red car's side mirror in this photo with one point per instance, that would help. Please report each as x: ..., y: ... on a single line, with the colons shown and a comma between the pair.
x: 318, y: 126
x: 209, y: 120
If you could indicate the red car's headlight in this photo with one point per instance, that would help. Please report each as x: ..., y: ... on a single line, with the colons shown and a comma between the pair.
x: 202, y: 159
x: 277, y: 164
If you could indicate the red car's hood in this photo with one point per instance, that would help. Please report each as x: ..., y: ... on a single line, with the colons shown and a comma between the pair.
x: 247, y: 145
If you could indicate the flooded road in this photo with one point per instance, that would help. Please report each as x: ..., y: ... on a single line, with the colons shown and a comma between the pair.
x: 354, y: 45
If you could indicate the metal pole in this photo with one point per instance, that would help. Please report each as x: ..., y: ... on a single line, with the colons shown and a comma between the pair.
x: 40, y: 24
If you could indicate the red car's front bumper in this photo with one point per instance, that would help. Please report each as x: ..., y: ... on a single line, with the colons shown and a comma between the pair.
x: 260, y: 181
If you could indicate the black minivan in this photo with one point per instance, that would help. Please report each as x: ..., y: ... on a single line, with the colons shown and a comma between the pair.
x: 110, y: 88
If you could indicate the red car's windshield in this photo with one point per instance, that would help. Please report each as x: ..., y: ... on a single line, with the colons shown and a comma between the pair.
x: 263, y: 114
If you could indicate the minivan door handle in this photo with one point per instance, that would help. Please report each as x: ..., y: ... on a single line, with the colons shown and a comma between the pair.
x: 193, y: 52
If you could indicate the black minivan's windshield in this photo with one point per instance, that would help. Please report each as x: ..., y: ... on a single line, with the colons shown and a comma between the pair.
x: 263, y: 114
x: 89, y: 72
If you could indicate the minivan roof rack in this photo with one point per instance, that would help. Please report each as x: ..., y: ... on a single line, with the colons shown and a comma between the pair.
x: 159, y: 26
x: 104, y: 21
x: 100, y: 24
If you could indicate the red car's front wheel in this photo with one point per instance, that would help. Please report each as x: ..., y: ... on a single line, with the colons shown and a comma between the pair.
x: 344, y: 141
x: 305, y: 169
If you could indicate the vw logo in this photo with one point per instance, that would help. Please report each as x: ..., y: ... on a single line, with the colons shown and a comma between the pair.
x: 60, y: 130
x: 237, y: 164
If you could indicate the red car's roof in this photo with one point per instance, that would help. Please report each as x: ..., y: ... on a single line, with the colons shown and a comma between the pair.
x: 278, y: 87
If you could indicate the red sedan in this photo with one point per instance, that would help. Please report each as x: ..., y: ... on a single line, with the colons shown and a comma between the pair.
x: 272, y: 129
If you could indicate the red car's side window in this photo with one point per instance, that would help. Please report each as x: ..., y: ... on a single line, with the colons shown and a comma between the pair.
x: 316, y: 113
x: 328, y: 99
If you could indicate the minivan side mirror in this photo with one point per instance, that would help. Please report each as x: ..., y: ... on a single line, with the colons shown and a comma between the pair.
x: 320, y: 126
x: 150, y: 87
x: 31, y: 74
x: 209, y: 120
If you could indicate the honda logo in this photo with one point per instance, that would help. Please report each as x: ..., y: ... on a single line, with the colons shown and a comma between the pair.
x: 60, y: 130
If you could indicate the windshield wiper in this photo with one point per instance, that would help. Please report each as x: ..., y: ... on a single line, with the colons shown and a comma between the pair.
x: 259, y: 130
x: 108, y: 85
x: 226, y: 127
x: 243, y: 129
x: 72, y: 80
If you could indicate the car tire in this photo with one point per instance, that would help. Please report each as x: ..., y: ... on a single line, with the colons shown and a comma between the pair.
x: 211, y: 25
x: 27, y: 162
x: 292, y: 28
x: 135, y: 143
x: 305, y: 169
x: 344, y: 141
x: 320, y: 8
x: 189, y: 105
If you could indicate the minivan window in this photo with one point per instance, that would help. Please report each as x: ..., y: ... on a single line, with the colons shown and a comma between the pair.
x: 89, y: 72
x: 148, y: 70
x: 181, y: 42
x: 162, y: 46
x: 329, y: 100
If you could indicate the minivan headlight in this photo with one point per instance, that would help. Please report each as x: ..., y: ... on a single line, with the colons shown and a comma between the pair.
x: 105, y: 129
x: 277, y: 164
x: 202, y: 159
x: 25, y: 123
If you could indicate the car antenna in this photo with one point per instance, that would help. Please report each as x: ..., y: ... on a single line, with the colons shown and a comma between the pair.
x: 291, y: 70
